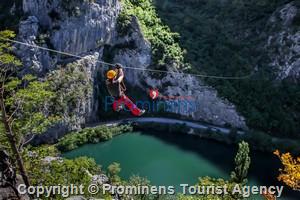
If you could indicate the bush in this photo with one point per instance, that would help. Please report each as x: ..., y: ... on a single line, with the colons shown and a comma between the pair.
x: 165, y: 47
x: 123, y: 23
x: 90, y: 135
x: 264, y: 142
x: 72, y: 87
x: 59, y: 171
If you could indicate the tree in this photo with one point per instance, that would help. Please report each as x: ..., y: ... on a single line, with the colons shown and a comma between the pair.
x: 242, y: 164
x: 8, y: 64
x: 24, y: 104
x: 290, y: 174
x: 140, y: 181
x: 60, y: 171
x: 229, y: 184
x: 113, y: 170
x: 7, y: 172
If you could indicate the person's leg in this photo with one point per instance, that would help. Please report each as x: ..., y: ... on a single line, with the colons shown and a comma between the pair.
x: 131, y: 106
x: 118, y: 104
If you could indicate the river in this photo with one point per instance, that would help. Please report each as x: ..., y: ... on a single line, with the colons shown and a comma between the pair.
x: 168, y: 160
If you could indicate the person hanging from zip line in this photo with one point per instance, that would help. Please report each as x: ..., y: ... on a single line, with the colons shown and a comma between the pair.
x: 116, y: 88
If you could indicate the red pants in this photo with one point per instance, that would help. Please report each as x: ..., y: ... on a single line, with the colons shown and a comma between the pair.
x: 124, y: 100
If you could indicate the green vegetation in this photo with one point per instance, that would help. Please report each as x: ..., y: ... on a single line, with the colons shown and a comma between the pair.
x: 162, y: 128
x: 140, y: 181
x: 90, y: 135
x: 242, y: 164
x: 10, y: 14
x: 123, y: 23
x: 59, y: 170
x: 24, y: 103
x: 80, y: 171
x: 238, y: 177
x: 72, y: 89
x: 208, y: 181
x: 165, y: 47
x: 210, y: 37
x: 30, y: 105
x: 113, y: 170
x: 257, y: 140
x: 222, y: 39
x: 267, y: 143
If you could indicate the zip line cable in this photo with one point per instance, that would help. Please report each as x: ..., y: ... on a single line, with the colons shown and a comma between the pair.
x: 133, y: 68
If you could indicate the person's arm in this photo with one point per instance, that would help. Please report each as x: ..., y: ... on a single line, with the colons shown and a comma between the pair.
x: 121, y: 75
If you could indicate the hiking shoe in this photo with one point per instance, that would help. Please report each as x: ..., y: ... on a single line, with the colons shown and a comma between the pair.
x: 142, y: 112
x: 119, y: 108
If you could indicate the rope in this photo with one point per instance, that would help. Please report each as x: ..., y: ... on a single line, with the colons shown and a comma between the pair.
x: 133, y: 68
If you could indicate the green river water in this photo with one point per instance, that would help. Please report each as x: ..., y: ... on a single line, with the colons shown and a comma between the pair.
x: 168, y: 160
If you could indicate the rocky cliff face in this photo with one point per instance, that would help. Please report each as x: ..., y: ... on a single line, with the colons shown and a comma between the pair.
x: 133, y: 51
x: 78, y: 27
x: 75, y: 26
x: 35, y: 60
x: 283, y: 43
x: 208, y: 106
x: 86, y: 28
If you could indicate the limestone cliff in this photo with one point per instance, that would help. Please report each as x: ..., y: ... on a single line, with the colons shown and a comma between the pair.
x: 88, y: 28
x: 75, y: 26
x: 209, y: 107
x: 283, y: 45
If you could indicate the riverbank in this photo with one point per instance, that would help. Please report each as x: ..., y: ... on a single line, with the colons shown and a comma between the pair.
x: 257, y: 140
x: 190, y: 134
x: 170, y: 160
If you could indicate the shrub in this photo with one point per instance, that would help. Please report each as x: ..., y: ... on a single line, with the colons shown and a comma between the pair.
x: 72, y: 88
x: 90, y: 135
x: 164, y: 42
x: 123, y: 23
x: 59, y: 171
